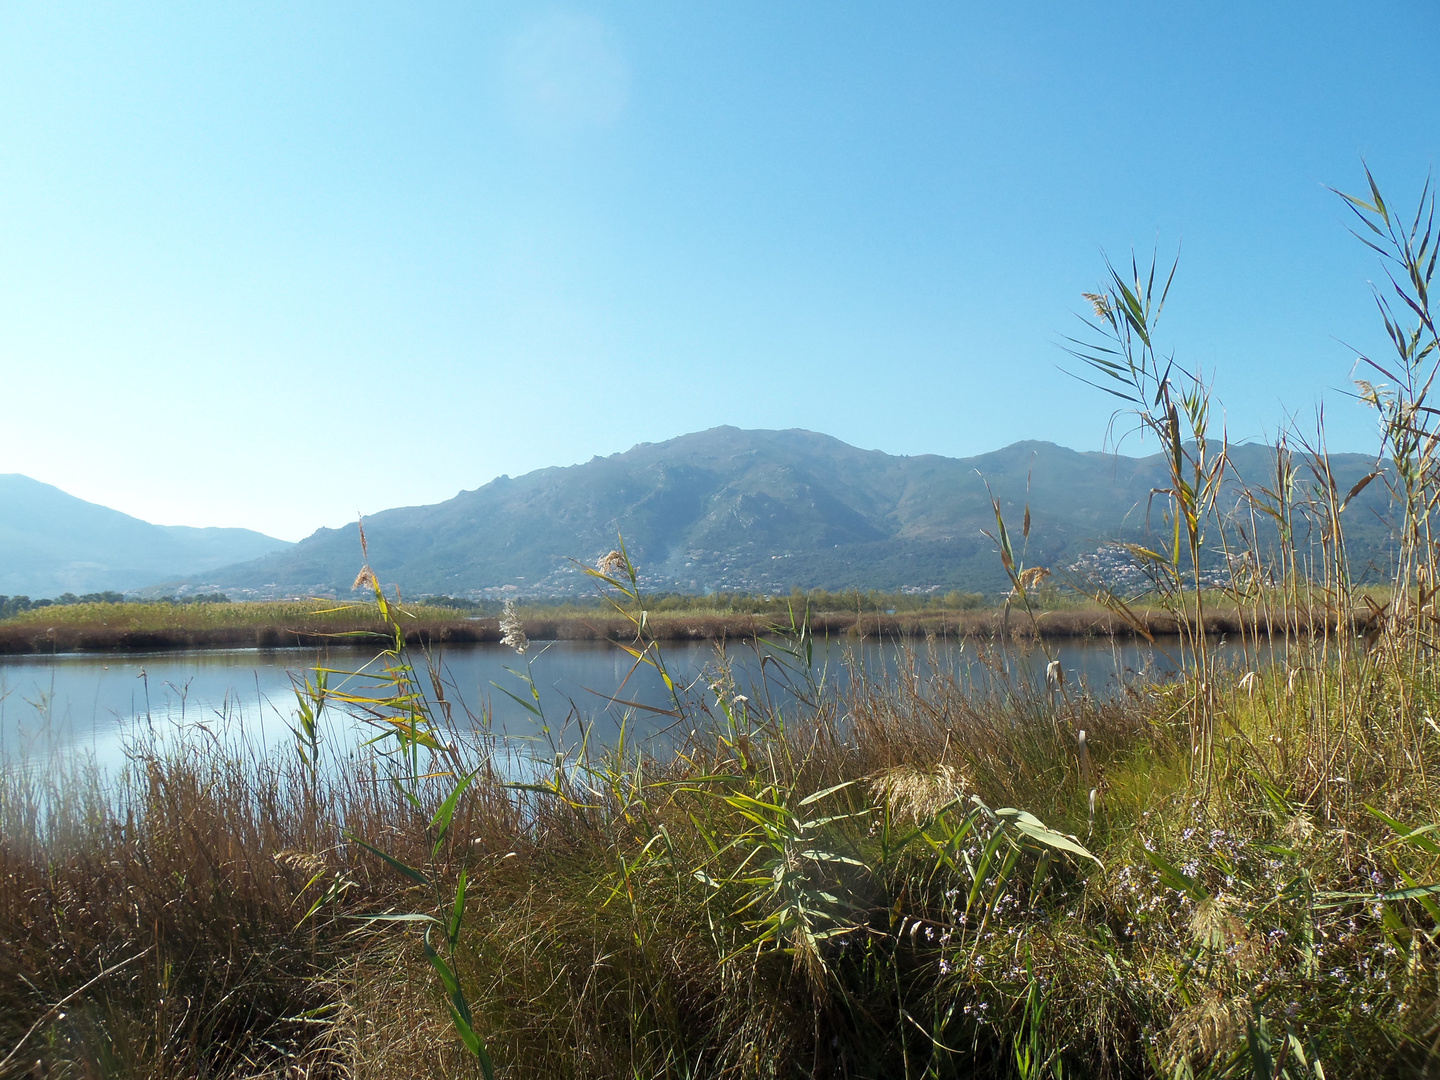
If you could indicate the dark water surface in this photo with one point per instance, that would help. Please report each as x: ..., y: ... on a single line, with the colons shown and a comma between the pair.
x: 97, y: 703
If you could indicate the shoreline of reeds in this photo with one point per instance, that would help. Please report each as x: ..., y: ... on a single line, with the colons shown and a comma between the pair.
x: 838, y: 892
x: 112, y: 630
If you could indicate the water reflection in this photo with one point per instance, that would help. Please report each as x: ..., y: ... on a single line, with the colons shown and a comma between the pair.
x: 97, y: 703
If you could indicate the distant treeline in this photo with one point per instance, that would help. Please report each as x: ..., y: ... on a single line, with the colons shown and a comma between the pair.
x: 847, y: 600
x: 14, y: 605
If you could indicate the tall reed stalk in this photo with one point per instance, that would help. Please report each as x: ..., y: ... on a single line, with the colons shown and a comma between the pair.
x: 1172, y: 404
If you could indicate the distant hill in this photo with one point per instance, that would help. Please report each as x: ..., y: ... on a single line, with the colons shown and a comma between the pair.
x: 53, y: 543
x: 727, y: 509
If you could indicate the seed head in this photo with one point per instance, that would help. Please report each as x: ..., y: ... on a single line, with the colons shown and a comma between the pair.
x: 1033, y: 576
x: 512, y: 629
x: 612, y: 562
x: 917, y: 793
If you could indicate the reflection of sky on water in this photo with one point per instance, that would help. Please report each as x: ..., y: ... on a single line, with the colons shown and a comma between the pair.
x: 96, y: 702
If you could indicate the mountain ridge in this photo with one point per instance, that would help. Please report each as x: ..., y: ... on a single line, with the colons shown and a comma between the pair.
x: 752, y: 510
x: 52, y: 542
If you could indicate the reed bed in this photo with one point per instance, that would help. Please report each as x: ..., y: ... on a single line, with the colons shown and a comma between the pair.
x: 809, y: 885
x: 263, y: 624
x: 272, y: 625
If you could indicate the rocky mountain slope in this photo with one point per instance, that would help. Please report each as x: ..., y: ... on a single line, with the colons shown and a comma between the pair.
x: 758, y: 511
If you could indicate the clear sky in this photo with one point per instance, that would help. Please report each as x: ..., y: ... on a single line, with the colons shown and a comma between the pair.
x: 270, y: 265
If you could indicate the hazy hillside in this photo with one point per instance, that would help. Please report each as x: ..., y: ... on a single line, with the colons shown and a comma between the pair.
x: 752, y: 510
x: 52, y: 543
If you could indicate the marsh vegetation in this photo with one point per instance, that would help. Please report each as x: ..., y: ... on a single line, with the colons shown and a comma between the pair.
x: 120, y: 626
x: 1230, y: 874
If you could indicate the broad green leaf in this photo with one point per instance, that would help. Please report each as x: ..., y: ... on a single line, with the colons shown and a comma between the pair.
x: 528, y: 706
x: 466, y: 1033
x: 447, y: 976
x: 457, y: 914
x: 1407, y: 833
x: 409, y: 871
x: 1174, y: 878
x: 821, y: 794
x: 1035, y: 829
x: 442, y: 817
x: 830, y: 857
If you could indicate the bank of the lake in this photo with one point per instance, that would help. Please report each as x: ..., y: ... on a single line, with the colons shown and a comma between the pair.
x: 316, y: 623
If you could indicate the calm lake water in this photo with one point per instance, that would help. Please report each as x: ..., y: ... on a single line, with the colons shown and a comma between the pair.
x: 98, y: 703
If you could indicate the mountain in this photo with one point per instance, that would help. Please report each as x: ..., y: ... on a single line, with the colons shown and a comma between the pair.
x: 754, y: 511
x: 52, y: 543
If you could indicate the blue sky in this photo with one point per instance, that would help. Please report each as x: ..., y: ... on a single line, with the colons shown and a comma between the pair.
x: 270, y: 265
